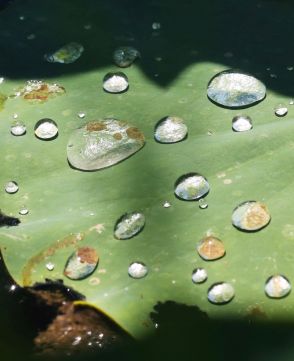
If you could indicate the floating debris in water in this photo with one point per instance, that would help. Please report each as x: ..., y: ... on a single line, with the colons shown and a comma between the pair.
x: 18, y: 128
x: 81, y: 263
x: 221, y: 293
x: 102, y: 143
x: 46, y: 129
x: 8, y: 221
x: 251, y: 216
x: 156, y: 26
x: 129, y: 225
x: 67, y: 54
x: 115, y: 82
x: 50, y: 266
x: 166, y: 204
x: 125, y: 56
x: 199, y: 275
x: 211, y: 248
x: 241, y: 123
x: 39, y: 91
x: 235, y: 89
x: 137, y: 270
x: 281, y: 110
x: 170, y: 130
x: 81, y: 115
x: 23, y: 211
x: 202, y: 203
x: 11, y: 187
x: 277, y: 286
x: 191, y: 186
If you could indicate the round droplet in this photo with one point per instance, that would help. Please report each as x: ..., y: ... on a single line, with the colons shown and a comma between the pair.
x: 191, y: 186
x: 125, y: 56
x: 137, y: 270
x: 199, y: 275
x: 277, y: 286
x: 11, y: 187
x: 81, y: 115
x: 50, y: 266
x: 156, y: 26
x: 166, y: 204
x: 102, y: 143
x: 250, y: 216
x: 170, y: 130
x: 211, y: 248
x: 81, y: 263
x: 46, y: 129
x: 281, y: 110
x: 221, y: 293
x: 115, y: 82
x: 202, y: 203
x: 23, y: 211
x: 235, y: 89
x: 129, y: 225
x: 241, y: 123
x: 18, y: 128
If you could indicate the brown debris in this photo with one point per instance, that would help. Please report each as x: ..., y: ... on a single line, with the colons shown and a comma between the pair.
x: 87, y: 255
x: 135, y: 133
x: 95, y: 126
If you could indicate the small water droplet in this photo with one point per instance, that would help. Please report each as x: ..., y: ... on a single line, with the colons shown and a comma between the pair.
x: 67, y: 54
x: 241, y: 123
x: 158, y: 58
x: 221, y: 293
x: 15, y: 116
x: 191, y: 186
x: 228, y: 54
x: 129, y: 225
x: 251, y: 216
x: 281, y: 110
x: 18, y: 128
x: 1, y: 80
x: 23, y: 211
x: 199, y: 275
x: 46, y: 129
x: 81, y: 263
x: 137, y: 270
x: 277, y: 286
x: 166, y: 204
x: 21, y: 17
x: 31, y: 37
x: 81, y: 115
x: 77, y: 340
x: 50, y: 266
x: 170, y: 130
x: 202, y: 203
x: 290, y: 68
x: 211, y: 248
x: 291, y: 102
x: 210, y: 132
x: 125, y: 56
x: 156, y: 26
x: 87, y: 26
x: 115, y: 82
x: 274, y: 76
x: 11, y: 187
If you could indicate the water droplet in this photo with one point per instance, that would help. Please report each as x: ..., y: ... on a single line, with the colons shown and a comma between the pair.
x: 46, y: 129
x: 12, y: 288
x: 199, y: 275
x: 251, y: 216
x: 31, y: 37
x: 137, y: 270
x: 202, y: 203
x: 67, y: 54
x: 15, y: 116
x: 87, y: 26
x: 22, y: 17
x: 166, y: 204
x: 129, y: 225
x: 103, y: 143
x: 221, y: 293
x: 211, y: 248
x: 241, y: 123
x: 115, y: 82
x: 18, y: 128
x: 290, y: 68
x: 11, y: 187
x: 50, y: 266
x: 274, y: 76
x: 23, y: 211
x: 191, y: 186
x: 1, y: 80
x: 81, y: 263
x: 277, y: 286
x: 235, y: 89
x: 39, y: 91
x: 170, y: 130
x: 125, y: 56
x: 291, y: 102
x: 81, y: 115
x: 156, y: 26
x: 281, y: 110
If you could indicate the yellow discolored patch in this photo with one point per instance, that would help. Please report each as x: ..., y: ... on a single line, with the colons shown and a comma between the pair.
x: 211, y: 248
x: 135, y: 133
x: 257, y: 216
x: 95, y: 126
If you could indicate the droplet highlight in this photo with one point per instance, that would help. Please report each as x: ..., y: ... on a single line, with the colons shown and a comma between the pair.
x: 241, y: 123
x: 221, y: 293
x: 81, y: 263
x: 46, y: 129
x: 129, y: 225
x: 211, y: 248
x: 115, y: 82
x: 170, y: 130
x: 277, y: 286
x: 137, y: 270
x: 191, y: 186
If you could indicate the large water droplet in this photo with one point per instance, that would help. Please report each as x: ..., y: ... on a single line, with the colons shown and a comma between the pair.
x: 199, y: 275
x: 251, y: 216
x: 211, y: 248
x: 241, y: 123
x: 46, y: 129
x: 221, y: 293
x: 11, y: 187
x: 103, y: 143
x: 281, y: 110
x: 125, y: 56
x: 67, y: 54
x: 115, y: 82
x: 137, y: 270
x: 129, y: 225
x: 277, y: 286
x: 170, y: 130
x: 235, y: 89
x: 81, y: 263
x: 191, y: 186
x: 18, y: 128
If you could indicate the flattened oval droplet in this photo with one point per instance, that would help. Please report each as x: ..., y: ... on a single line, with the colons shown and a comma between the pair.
x: 235, y: 89
x: 125, y: 56
x: 251, y: 216
x: 211, y: 248
x: 81, y: 263
x: 191, y: 186
x: 137, y: 270
x: 170, y: 130
x: 46, y: 129
x: 103, y: 143
x: 277, y: 286
x: 221, y: 293
x: 129, y: 225
x: 67, y: 54
x: 115, y: 82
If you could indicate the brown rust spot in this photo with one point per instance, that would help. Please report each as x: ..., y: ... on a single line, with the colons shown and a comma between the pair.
x: 87, y: 255
x: 256, y: 217
x: 41, y: 93
x: 135, y: 133
x: 211, y: 248
x: 95, y: 126
x: 117, y: 136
